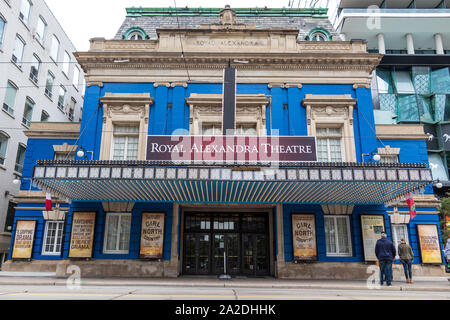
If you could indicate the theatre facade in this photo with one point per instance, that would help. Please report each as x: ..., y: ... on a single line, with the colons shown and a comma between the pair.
x: 224, y: 148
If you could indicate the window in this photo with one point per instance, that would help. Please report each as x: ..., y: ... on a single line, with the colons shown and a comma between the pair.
x: 213, y: 129
x: 318, y: 36
x: 3, y: 146
x: 17, y: 54
x: 10, y: 98
x: 329, y: 147
x: 399, y: 231
x: 49, y: 85
x: 40, y: 30
x: 44, y: 116
x: 117, y: 233
x: 28, y: 112
x: 53, y: 237
x: 25, y: 11
x: 20, y: 158
x: 135, y: 36
x: 64, y: 156
x: 337, y: 234
x: 66, y: 63
x: 61, y: 97
x: 34, y: 71
x: 76, y: 77
x: 392, y: 158
x: 72, y: 108
x: 54, y: 48
x: 246, y: 130
x: 2, y: 30
x: 125, y: 142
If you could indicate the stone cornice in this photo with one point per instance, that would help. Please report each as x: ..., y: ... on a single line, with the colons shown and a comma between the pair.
x: 216, y: 99
x: 401, y: 131
x: 126, y: 99
x: 205, y: 60
x: 53, y: 130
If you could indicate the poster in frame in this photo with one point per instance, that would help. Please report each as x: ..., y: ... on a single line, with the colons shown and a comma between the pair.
x: 82, y: 235
x: 429, y: 245
x: 372, y: 225
x: 152, y: 235
x: 24, y: 240
x: 304, y: 237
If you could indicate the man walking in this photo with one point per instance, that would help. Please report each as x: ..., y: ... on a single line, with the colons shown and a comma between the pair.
x: 406, y: 257
x: 385, y: 252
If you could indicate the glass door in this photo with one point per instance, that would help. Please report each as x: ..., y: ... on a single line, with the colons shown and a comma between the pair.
x: 255, y: 254
x: 227, y: 244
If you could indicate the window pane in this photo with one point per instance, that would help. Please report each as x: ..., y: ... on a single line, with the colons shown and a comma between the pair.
x: 20, y: 158
x: 28, y: 112
x: 2, y: 29
x: 125, y: 224
x: 49, y: 85
x: 403, y: 82
x: 61, y: 97
x: 112, y: 231
x: 40, y: 31
x: 3, y: 147
x: 66, y: 63
x: 44, y: 116
x: 10, y: 98
x: 330, y: 235
x: 76, y: 76
x: 407, y: 108
x: 343, y: 236
x: 54, y: 48
x: 18, y: 51
x: 34, y: 71
x: 25, y: 10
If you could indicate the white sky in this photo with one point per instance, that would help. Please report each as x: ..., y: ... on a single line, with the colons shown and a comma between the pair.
x: 86, y: 19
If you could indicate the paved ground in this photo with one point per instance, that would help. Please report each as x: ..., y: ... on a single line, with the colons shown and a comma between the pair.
x: 14, y: 285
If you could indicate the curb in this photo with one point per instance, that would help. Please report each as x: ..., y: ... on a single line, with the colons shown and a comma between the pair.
x: 87, y: 283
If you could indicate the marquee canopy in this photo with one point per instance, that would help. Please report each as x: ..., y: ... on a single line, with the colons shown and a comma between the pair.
x: 302, y: 182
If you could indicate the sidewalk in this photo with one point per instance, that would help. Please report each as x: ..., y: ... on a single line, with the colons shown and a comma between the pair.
x: 50, y: 279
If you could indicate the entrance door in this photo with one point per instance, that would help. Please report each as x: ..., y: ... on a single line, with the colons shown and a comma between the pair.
x: 242, y: 237
x: 226, y: 250
x: 255, y: 257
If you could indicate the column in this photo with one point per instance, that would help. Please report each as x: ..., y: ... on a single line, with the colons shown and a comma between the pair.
x: 438, y: 43
x: 172, y: 270
x: 381, y: 44
x: 410, y: 43
x: 280, y: 239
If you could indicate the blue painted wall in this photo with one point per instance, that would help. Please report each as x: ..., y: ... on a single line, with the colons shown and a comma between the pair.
x: 284, y: 116
x: 38, y: 149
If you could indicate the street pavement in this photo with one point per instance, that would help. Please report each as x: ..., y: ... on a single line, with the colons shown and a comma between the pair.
x: 44, y: 286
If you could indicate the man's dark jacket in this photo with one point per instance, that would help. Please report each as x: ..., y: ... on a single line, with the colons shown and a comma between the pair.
x: 385, y: 250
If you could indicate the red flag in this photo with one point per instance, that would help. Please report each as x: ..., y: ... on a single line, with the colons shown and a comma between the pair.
x: 48, y: 202
x: 412, y: 206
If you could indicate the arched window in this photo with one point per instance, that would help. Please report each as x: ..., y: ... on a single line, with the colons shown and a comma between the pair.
x: 319, y: 34
x: 4, y: 137
x: 135, y: 36
x: 135, y: 33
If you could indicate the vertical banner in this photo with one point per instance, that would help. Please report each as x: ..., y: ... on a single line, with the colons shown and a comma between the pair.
x: 428, y: 237
x: 82, y: 235
x: 24, y: 239
x: 229, y: 99
x: 304, y: 237
x: 371, y: 227
x: 152, y: 235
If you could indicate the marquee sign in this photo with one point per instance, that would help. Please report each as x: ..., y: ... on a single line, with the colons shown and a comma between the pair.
x: 231, y: 148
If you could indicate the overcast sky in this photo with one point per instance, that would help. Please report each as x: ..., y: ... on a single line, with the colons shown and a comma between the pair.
x: 86, y: 19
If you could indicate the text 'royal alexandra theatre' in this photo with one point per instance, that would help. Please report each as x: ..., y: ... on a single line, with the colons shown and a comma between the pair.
x: 251, y: 153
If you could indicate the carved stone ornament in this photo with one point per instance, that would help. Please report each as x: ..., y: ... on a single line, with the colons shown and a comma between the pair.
x: 227, y: 16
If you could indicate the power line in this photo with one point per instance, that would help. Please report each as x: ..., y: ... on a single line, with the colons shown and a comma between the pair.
x: 181, y: 42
